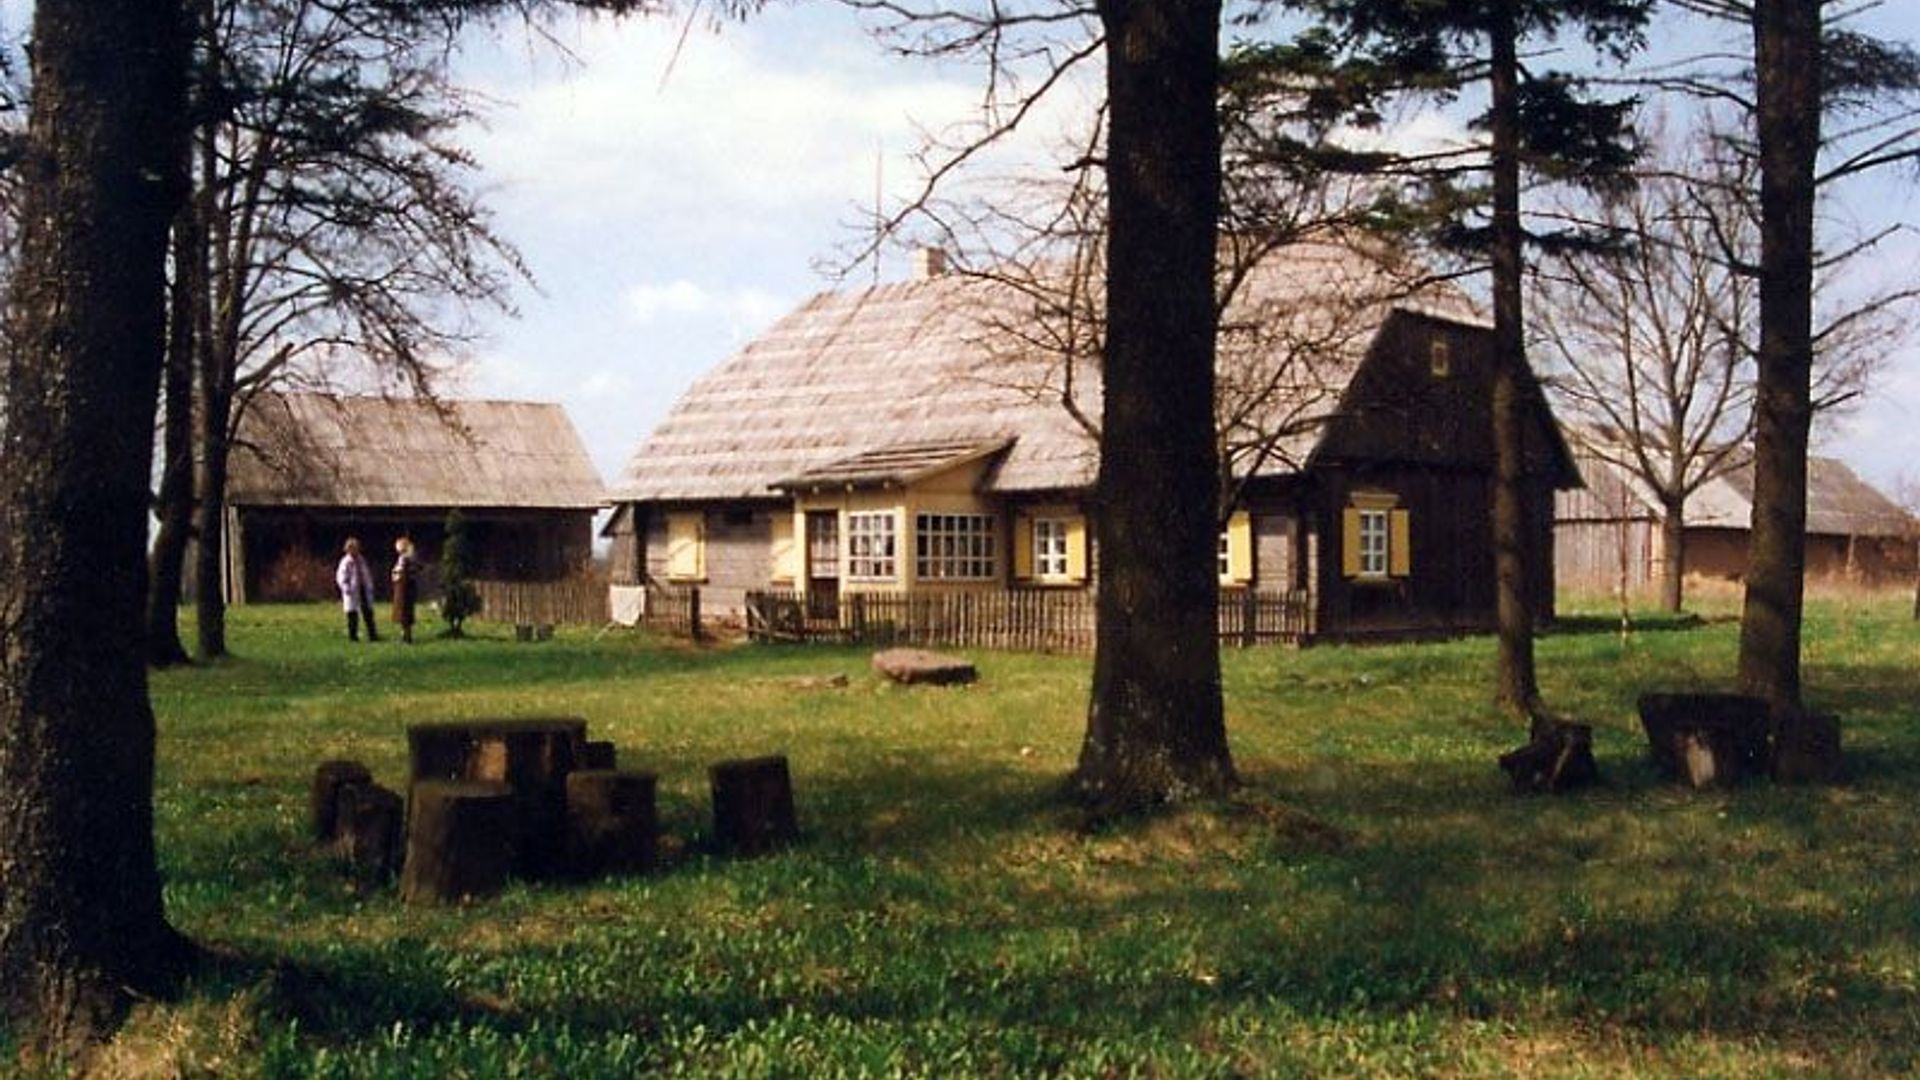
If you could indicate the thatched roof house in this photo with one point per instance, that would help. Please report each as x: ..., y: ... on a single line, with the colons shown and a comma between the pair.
x: 312, y: 469
x: 1854, y: 533
x: 937, y: 433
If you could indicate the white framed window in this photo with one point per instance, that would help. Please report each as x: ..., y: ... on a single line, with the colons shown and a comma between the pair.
x: 1223, y: 555
x: 953, y: 547
x: 873, y: 546
x: 1375, y: 531
x: 1050, y: 547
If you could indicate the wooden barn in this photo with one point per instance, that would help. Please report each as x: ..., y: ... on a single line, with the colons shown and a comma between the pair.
x: 907, y: 438
x: 1612, y: 529
x: 311, y: 470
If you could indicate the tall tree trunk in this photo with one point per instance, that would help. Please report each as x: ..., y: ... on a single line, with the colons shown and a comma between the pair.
x: 209, y: 572
x: 1156, y: 729
x: 167, y: 561
x: 1673, y: 554
x: 81, y: 921
x: 1787, y: 63
x: 1515, y: 684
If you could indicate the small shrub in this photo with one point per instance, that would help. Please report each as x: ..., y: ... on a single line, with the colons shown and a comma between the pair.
x: 459, y: 599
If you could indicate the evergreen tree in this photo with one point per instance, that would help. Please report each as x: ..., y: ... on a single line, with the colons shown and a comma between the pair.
x: 459, y: 600
x: 1543, y: 123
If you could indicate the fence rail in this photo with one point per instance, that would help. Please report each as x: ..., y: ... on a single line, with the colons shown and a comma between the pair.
x: 576, y: 601
x: 1032, y: 620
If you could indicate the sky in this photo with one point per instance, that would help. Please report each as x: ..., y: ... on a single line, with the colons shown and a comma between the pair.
x: 676, y: 189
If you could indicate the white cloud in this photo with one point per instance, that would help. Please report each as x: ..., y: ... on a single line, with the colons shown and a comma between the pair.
x: 745, y: 308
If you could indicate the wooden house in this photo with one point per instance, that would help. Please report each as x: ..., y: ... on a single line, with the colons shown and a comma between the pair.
x: 910, y: 437
x: 1611, y: 528
x: 310, y: 470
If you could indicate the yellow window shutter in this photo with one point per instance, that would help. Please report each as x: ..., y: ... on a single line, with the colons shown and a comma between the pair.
x: 1077, y: 548
x: 1240, y: 547
x: 1350, y: 541
x: 1022, y: 547
x: 685, y: 559
x: 786, y: 553
x: 1399, y: 544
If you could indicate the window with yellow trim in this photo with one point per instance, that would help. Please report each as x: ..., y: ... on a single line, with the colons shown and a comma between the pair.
x: 1050, y: 547
x: 1376, y: 539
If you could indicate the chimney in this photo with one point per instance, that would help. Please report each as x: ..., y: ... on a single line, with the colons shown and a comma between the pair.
x: 929, y: 262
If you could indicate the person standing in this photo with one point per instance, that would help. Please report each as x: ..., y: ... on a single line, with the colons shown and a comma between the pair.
x: 355, y: 581
x: 404, y: 579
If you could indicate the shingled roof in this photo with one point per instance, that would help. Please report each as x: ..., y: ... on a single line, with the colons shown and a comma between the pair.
x: 934, y: 362
x: 325, y: 450
x: 1839, y: 503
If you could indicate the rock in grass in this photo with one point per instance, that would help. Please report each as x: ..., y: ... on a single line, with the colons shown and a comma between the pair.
x: 368, y: 833
x: 753, y: 805
x: 921, y: 666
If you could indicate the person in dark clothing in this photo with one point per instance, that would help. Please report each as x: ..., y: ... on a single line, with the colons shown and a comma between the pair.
x: 405, y: 581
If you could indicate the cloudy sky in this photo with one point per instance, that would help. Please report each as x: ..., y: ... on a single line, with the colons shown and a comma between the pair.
x: 672, y: 206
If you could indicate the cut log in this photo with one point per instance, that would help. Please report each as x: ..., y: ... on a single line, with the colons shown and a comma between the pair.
x: 532, y: 756
x: 753, y: 805
x: 1558, y: 758
x: 324, y: 800
x: 368, y: 837
x: 1705, y: 739
x: 459, y: 841
x: 921, y: 666
x: 611, y: 823
x: 597, y: 755
x: 1806, y: 748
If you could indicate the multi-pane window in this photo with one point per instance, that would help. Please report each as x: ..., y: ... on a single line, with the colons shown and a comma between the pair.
x: 1050, y: 547
x: 1223, y: 554
x: 953, y: 547
x: 1374, y: 532
x: 872, y: 546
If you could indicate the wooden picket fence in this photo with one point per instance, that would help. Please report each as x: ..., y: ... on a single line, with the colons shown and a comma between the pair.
x: 1029, y: 620
x: 580, y: 600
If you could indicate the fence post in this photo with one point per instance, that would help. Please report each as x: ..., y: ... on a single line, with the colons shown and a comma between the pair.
x: 693, y: 611
x: 1250, y: 613
x: 860, y: 618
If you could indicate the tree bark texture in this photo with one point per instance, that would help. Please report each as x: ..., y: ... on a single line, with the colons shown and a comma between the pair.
x: 1516, y: 685
x: 209, y: 570
x: 81, y: 922
x: 1787, y: 59
x: 167, y: 561
x: 1155, y: 725
x: 1673, y: 555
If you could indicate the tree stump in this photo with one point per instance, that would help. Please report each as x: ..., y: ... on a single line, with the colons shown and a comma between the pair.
x: 1806, y: 748
x: 459, y: 841
x: 920, y: 666
x: 368, y: 838
x: 597, y: 755
x: 532, y: 756
x: 1558, y: 758
x: 611, y: 823
x: 324, y: 800
x: 753, y: 805
x: 1704, y: 739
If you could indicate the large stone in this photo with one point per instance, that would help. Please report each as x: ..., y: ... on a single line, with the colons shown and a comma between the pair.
x: 921, y: 666
x: 1705, y: 739
x: 753, y: 805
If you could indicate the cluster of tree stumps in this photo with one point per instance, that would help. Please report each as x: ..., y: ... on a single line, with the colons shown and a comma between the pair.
x: 1720, y: 739
x: 491, y: 800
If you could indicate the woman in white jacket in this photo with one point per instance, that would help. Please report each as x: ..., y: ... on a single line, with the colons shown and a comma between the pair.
x: 356, y: 590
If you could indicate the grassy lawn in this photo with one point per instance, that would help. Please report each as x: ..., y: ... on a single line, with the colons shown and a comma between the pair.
x: 1374, y: 903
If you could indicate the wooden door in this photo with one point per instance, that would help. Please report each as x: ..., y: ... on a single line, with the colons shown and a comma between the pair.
x: 823, y: 564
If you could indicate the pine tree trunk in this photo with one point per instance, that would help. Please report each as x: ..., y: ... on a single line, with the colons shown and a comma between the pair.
x: 167, y: 562
x: 1673, y: 550
x: 81, y: 922
x: 1516, y: 685
x: 1155, y: 725
x: 1787, y: 62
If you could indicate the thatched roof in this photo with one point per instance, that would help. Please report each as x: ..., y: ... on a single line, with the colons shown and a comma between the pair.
x: 326, y: 450
x: 958, y: 360
x: 1839, y: 503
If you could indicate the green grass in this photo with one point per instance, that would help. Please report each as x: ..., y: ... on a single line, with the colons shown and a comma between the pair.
x: 1374, y: 902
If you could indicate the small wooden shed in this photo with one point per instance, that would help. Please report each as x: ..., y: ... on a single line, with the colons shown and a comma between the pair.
x: 1611, y: 529
x: 312, y: 469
